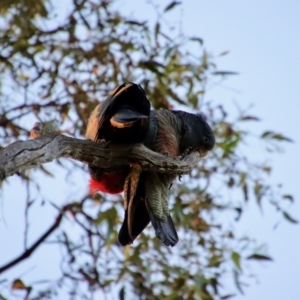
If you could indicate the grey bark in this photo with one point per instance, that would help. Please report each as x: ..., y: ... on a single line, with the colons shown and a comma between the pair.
x: 23, y: 155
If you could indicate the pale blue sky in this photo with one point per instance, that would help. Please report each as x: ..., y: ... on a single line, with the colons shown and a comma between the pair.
x: 263, y: 38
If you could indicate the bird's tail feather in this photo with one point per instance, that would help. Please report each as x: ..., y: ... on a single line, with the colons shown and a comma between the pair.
x: 165, y: 230
x: 139, y: 220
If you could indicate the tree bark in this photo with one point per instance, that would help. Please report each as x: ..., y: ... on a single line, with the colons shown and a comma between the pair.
x: 23, y: 155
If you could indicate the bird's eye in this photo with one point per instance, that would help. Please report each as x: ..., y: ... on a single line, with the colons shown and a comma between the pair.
x: 205, y: 139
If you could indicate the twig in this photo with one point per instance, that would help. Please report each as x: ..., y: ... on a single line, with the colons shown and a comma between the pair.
x: 31, y: 249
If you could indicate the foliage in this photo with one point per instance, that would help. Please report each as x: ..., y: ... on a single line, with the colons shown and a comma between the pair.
x: 57, y: 60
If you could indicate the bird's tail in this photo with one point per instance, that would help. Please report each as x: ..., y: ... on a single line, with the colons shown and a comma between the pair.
x: 136, y: 215
x: 164, y: 230
x: 157, y: 194
x: 139, y: 220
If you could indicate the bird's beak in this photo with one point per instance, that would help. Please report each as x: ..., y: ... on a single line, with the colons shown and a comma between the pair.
x: 202, y: 152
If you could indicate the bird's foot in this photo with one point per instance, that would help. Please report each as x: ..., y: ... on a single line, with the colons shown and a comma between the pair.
x: 102, y: 141
x: 186, y: 152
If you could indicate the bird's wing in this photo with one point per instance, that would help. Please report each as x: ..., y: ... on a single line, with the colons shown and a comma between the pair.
x: 123, y: 106
x: 92, y: 126
x: 105, y: 111
x: 136, y: 215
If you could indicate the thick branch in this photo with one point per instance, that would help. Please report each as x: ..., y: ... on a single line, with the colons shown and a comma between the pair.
x: 23, y: 155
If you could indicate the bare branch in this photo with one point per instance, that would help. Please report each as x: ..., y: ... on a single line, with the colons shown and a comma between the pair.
x: 23, y: 155
x: 31, y: 249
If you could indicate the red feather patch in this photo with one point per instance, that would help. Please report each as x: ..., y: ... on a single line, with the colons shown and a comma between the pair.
x: 111, y: 183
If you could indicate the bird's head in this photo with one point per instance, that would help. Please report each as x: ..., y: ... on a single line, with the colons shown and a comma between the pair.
x: 197, y: 134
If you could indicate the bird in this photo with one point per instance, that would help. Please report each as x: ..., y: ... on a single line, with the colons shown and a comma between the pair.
x: 170, y: 133
x: 125, y: 117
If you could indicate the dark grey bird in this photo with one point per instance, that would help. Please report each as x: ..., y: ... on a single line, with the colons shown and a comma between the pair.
x: 125, y: 117
x: 171, y: 133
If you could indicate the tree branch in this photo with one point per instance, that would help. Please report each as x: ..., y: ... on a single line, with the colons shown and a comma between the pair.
x: 22, y: 155
x: 31, y: 249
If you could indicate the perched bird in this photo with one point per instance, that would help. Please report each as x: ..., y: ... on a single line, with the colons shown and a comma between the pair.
x: 171, y: 133
x: 125, y: 117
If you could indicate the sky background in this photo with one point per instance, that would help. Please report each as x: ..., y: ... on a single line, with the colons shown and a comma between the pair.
x: 263, y: 38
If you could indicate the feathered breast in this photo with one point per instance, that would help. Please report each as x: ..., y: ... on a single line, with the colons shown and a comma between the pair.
x: 167, y: 138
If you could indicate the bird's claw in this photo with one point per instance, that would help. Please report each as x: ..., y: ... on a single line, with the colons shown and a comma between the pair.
x: 102, y: 141
x: 186, y: 152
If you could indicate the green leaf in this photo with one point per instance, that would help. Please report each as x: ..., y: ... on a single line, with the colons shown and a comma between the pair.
x: 153, y: 66
x: 169, y: 51
x: 197, y: 39
x: 266, y: 134
x: 288, y: 197
x: 259, y: 257
x: 239, y: 213
x: 281, y: 137
x: 223, y: 53
x: 289, y: 218
x: 224, y: 73
x: 171, y: 5
x: 109, y: 215
x: 131, y: 22
x: 250, y: 118
x: 215, y: 261
x: 227, y: 296
x: 157, y: 30
x: 275, y: 136
x: 259, y: 192
x: 245, y: 191
x: 172, y: 296
x: 236, y: 258
x: 2, y: 297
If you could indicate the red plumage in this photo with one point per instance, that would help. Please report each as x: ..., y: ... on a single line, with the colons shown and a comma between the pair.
x: 108, y: 182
